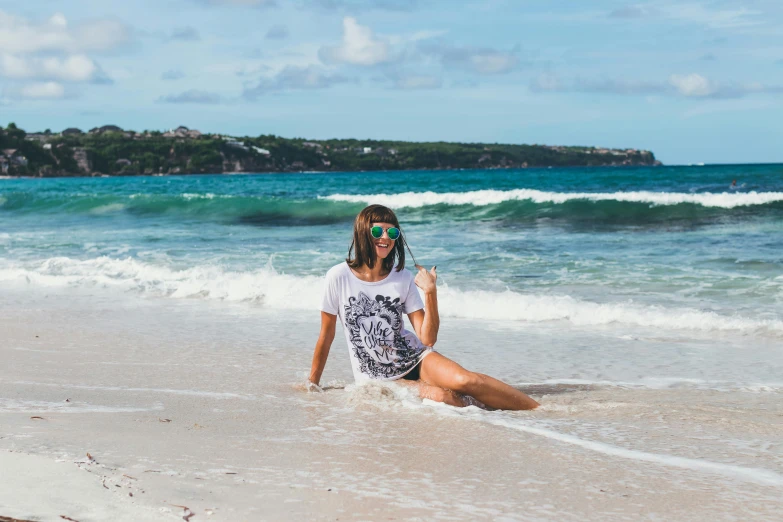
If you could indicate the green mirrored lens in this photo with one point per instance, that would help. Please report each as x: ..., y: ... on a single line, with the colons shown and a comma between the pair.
x: 394, y: 233
x: 376, y: 232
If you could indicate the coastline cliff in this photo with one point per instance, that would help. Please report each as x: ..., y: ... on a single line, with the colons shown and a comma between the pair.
x: 111, y: 150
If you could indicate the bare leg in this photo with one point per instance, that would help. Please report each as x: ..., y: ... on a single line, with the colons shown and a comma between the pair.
x: 435, y: 393
x: 442, y: 372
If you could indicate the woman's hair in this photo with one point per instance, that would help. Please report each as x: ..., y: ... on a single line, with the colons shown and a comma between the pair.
x: 363, y: 242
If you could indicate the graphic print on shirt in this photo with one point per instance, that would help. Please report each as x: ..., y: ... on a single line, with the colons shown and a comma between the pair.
x: 375, y: 326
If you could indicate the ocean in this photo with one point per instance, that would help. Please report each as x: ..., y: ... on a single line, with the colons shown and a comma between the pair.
x: 614, y: 296
x: 673, y: 248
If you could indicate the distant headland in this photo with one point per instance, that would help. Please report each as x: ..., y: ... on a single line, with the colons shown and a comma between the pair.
x: 113, y: 151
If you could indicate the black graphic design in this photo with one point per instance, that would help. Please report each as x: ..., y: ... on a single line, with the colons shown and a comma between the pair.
x: 375, y: 326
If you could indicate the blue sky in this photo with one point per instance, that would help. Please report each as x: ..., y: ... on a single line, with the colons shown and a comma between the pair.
x: 694, y: 81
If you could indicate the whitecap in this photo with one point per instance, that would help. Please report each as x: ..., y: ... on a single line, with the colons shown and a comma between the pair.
x: 493, y: 197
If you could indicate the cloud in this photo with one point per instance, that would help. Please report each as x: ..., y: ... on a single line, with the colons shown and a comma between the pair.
x: 192, y: 96
x: 478, y: 60
x: 296, y: 78
x: 37, y: 91
x: 186, y: 34
x: 172, y: 74
x: 21, y: 36
x: 359, y: 46
x: 418, y: 36
x: 277, y: 32
x: 39, y: 56
x: 74, y: 68
x: 691, y: 85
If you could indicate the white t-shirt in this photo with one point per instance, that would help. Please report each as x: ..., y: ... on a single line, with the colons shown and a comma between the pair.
x: 372, y: 317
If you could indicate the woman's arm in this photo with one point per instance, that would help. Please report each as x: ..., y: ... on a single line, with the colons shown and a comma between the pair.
x: 322, y: 346
x: 427, y: 322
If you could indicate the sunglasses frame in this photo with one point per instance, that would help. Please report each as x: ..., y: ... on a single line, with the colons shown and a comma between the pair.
x: 399, y: 232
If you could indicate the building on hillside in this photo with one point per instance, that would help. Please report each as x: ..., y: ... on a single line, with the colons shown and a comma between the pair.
x: 19, y: 160
x: 71, y: 131
x: 231, y: 142
x: 105, y: 128
x: 3, y: 164
x: 366, y: 150
x: 36, y: 136
x: 182, y: 132
x: 261, y: 151
x: 14, y: 158
x: 47, y: 146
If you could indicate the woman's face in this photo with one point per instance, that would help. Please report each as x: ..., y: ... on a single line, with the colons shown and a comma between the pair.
x: 383, y: 245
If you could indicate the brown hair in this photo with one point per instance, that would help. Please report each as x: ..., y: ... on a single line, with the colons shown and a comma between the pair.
x: 363, y: 242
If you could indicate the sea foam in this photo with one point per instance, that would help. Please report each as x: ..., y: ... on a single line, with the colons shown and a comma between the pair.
x: 758, y: 475
x: 270, y: 288
x: 493, y: 197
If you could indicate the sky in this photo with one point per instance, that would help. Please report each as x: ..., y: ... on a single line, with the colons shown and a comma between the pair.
x: 693, y: 81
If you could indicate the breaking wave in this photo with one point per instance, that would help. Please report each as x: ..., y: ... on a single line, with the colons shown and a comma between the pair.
x: 513, y: 206
x: 268, y: 287
x: 495, y: 197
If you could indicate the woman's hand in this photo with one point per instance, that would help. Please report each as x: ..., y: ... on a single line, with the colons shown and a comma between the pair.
x: 426, y: 280
x: 312, y: 387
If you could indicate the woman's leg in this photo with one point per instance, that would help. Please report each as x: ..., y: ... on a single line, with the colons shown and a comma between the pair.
x: 435, y: 393
x: 442, y: 372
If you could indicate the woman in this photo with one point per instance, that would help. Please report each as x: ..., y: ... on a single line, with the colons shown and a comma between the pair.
x: 369, y: 293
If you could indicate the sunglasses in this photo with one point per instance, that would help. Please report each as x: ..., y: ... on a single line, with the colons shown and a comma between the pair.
x: 392, y: 232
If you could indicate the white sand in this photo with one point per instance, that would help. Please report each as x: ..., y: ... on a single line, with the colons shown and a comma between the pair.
x: 39, y: 488
x: 191, y: 404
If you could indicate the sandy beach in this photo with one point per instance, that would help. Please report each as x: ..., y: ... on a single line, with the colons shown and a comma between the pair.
x: 181, y: 404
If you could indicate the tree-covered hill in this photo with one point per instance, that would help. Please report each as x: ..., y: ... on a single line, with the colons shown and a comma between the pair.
x: 110, y: 150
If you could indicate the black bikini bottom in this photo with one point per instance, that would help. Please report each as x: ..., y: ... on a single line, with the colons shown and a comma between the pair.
x: 414, y: 374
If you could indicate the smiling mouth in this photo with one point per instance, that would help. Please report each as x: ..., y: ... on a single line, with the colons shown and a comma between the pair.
x: 382, y: 245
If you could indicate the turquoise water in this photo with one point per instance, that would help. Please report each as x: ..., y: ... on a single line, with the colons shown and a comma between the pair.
x: 669, y: 247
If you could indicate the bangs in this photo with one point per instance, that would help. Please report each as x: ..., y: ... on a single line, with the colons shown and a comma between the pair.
x: 381, y: 214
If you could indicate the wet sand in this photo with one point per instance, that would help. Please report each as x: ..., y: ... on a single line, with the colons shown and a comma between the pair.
x: 195, y: 404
